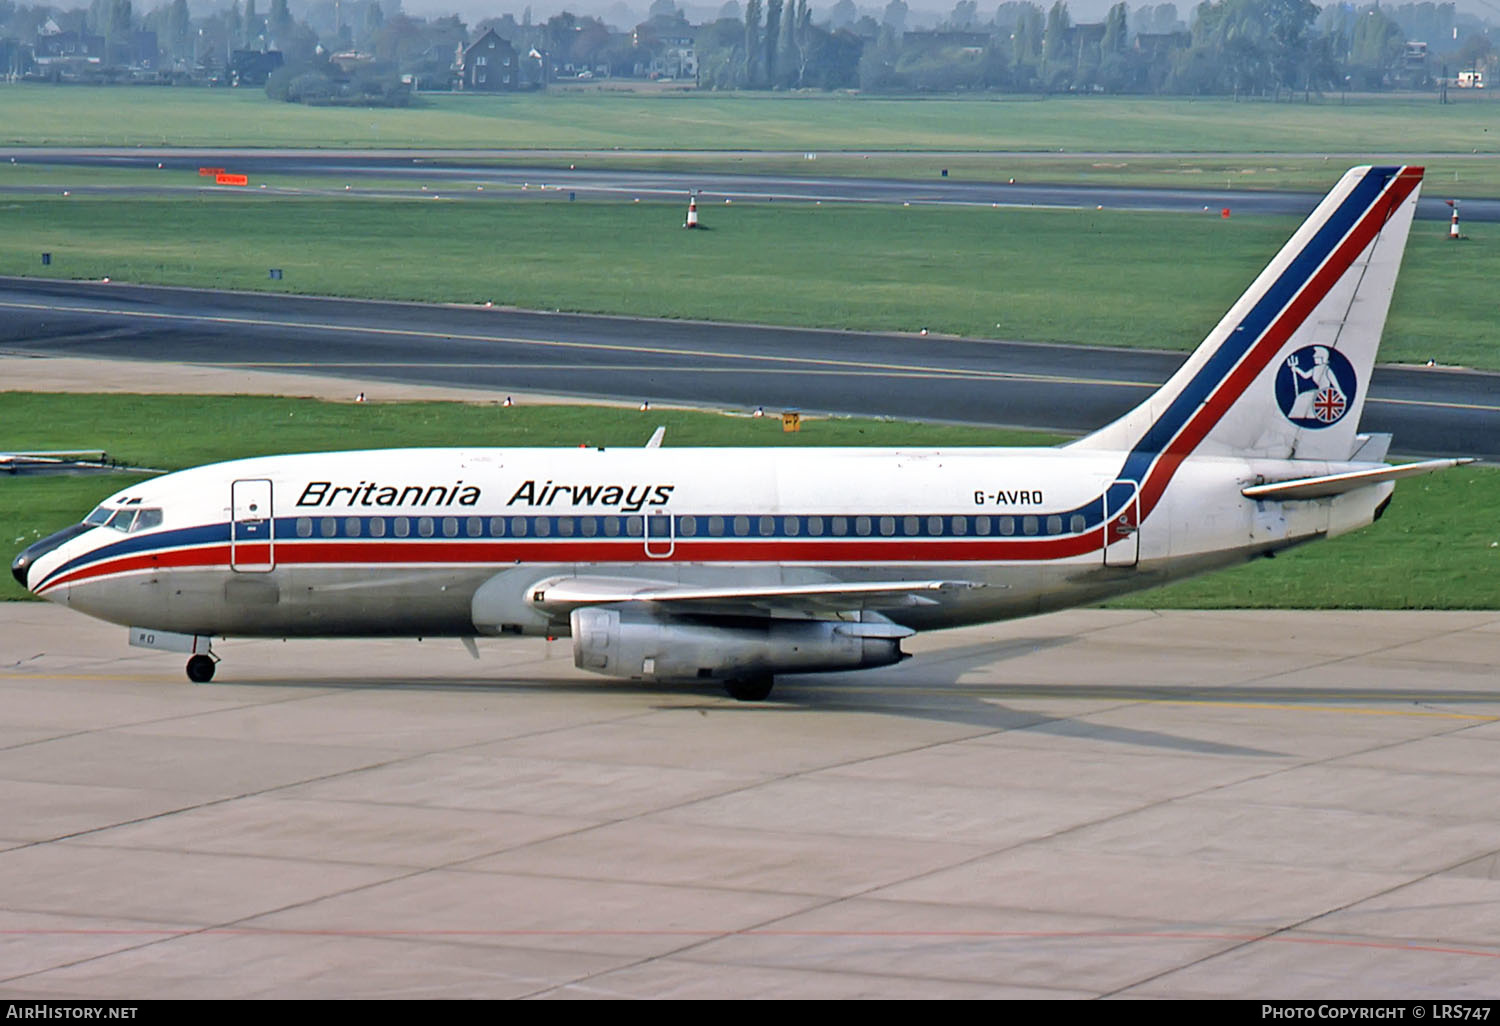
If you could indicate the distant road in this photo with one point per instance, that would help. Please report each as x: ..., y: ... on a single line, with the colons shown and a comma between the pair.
x: 454, y: 168
x: 1070, y: 389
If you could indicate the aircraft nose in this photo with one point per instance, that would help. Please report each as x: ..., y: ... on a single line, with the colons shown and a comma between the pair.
x: 20, y: 567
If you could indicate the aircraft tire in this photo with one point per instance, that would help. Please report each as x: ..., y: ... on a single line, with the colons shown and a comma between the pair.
x: 200, y: 669
x: 750, y: 689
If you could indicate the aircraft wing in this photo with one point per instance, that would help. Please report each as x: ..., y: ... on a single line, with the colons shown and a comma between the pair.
x: 1337, y: 484
x: 562, y: 594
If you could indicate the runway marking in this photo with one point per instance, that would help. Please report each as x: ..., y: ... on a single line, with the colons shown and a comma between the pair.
x: 842, y: 371
x: 1487, y: 408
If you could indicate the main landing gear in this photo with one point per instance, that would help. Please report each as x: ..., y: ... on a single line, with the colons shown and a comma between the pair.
x: 750, y: 689
x: 200, y: 668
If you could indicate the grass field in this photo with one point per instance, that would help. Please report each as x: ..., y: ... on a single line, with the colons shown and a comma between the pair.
x: 1109, y: 277
x: 1438, y: 547
x: 39, y: 115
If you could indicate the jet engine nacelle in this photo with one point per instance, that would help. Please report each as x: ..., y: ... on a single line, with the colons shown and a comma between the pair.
x: 622, y: 642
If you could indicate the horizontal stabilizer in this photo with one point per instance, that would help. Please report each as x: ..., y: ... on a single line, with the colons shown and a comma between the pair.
x: 561, y: 593
x: 1337, y: 484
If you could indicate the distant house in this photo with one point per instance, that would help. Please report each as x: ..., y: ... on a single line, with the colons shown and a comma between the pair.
x: 488, y: 64
x: 671, y: 42
x: 56, y: 47
x: 253, y: 67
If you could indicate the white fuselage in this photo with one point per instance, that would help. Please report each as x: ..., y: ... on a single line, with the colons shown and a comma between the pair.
x: 399, y: 542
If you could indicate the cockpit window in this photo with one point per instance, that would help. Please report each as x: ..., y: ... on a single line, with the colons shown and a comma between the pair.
x: 131, y: 519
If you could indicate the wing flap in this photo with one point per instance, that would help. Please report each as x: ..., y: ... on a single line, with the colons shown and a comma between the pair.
x: 559, y: 594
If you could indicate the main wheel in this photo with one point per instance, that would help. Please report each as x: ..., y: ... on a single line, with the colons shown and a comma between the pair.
x: 200, y: 669
x: 750, y: 689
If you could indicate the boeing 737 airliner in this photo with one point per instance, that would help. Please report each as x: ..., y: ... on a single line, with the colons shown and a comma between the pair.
x: 736, y: 565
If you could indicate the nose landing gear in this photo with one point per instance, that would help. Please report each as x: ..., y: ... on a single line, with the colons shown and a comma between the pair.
x: 201, y: 659
x: 200, y: 668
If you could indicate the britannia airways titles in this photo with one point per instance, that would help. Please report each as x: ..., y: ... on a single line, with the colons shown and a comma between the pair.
x: 628, y: 498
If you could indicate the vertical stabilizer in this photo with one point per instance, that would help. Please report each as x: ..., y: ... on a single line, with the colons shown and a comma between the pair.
x: 1285, y: 373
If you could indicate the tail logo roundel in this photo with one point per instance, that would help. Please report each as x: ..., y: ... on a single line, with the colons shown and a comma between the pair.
x: 1316, y: 386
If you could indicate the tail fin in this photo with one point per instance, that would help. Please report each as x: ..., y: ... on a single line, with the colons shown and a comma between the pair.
x: 1284, y: 375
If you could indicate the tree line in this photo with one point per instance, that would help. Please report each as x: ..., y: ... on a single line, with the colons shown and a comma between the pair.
x: 1219, y: 47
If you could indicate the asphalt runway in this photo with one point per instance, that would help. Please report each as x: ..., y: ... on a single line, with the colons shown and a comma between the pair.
x: 438, y: 169
x: 1091, y: 804
x: 1069, y: 389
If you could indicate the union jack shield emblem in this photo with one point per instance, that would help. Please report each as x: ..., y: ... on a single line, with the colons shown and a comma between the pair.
x: 1329, y: 405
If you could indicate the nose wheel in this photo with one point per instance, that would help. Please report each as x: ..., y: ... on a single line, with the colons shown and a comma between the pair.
x: 200, y: 668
